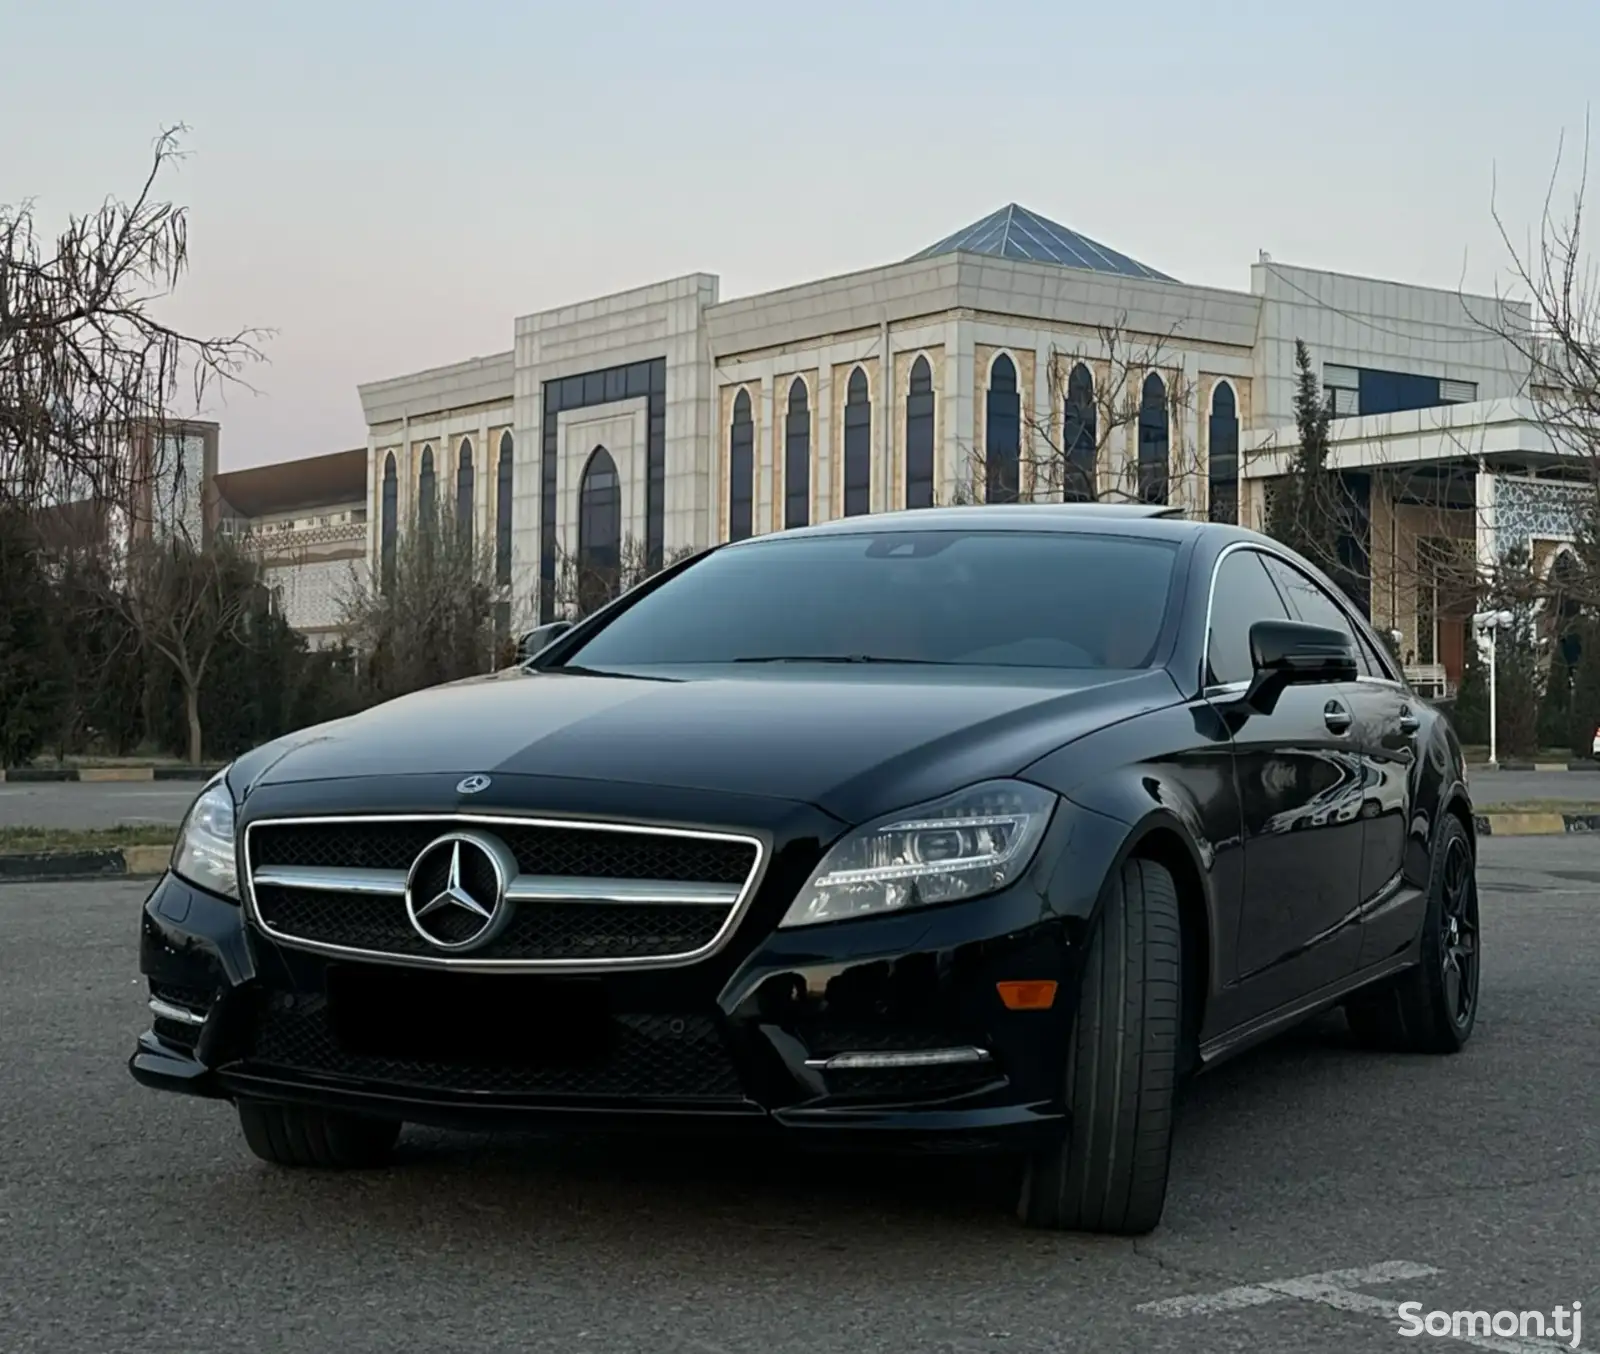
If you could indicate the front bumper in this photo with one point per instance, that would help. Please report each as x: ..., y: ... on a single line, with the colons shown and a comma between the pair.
x: 741, y: 1045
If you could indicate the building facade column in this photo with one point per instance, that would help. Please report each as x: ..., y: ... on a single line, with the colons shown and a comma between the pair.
x: 958, y: 406
x: 823, y: 453
x: 1186, y: 461
x: 883, y: 443
x: 1035, y: 447
x: 1484, y: 527
x: 766, y: 440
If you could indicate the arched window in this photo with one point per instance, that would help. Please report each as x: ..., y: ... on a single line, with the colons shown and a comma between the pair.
x: 388, y: 513
x: 464, y: 484
x: 797, y: 457
x: 599, y: 531
x: 1002, y: 441
x: 1223, y: 442
x: 502, y: 511
x: 919, y: 436
x: 1153, y: 441
x: 857, y: 446
x: 741, y: 470
x: 1079, y: 433
x: 425, y: 487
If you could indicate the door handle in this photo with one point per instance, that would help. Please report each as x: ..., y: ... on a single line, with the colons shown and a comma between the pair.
x: 1409, y: 723
x: 1336, y: 717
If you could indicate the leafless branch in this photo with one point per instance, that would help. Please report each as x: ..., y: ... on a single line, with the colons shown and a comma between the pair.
x: 430, y: 617
x: 85, y: 365
x: 1083, y: 444
x: 585, y: 582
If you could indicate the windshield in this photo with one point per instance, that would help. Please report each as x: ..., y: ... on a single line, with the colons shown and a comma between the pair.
x: 969, y: 598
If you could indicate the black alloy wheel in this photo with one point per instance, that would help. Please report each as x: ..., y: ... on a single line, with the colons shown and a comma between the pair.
x: 1432, y: 1008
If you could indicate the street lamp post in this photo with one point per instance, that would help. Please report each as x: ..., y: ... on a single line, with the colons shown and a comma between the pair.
x: 1488, y: 624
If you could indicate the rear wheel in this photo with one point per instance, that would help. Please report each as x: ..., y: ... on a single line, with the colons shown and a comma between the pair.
x: 1433, y: 1007
x: 1110, y: 1174
x: 302, y: 1135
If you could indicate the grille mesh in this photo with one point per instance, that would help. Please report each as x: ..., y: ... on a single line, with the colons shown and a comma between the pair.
x: 564, y: 931
x: 653, y: 1057
x: 548, y: 932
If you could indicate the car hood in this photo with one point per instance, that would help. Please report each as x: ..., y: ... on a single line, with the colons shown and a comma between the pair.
x: 854, y: 744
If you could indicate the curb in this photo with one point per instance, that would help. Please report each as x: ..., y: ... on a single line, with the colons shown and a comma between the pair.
x: 1535, y: 824
x: 100, y: 775
x: 1589, y: 764
x: 123, y: 862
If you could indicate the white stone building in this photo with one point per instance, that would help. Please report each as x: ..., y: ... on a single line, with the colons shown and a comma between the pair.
x: 306, y: 521
x: 672, y: 417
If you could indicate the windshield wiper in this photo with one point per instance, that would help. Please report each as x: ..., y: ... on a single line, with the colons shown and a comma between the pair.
x: 574, y: 670
x: 838, y: 658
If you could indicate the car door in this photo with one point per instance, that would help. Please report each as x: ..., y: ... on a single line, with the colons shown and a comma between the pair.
x: 1299, y: 777
x: 1386, y: 727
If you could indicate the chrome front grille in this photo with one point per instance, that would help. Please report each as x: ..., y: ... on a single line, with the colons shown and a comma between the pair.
x: 564, y: 894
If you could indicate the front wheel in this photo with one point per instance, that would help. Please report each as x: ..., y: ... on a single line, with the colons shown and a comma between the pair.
x: 1432, y: 1007
x: 302, y: 1135
x: 1110, y: 1173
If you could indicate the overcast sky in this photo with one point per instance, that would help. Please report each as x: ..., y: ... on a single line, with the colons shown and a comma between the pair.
x: 388, y: 184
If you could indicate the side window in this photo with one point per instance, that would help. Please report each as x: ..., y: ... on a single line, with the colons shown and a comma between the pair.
x: 1241, y: 595
x: 1313, y: 606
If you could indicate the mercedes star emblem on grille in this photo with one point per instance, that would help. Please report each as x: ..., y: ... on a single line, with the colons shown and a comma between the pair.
x: 456, y: 890
x: 472, y: 785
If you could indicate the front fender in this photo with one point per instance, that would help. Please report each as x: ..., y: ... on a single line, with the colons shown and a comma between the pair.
x: 1183, y: 814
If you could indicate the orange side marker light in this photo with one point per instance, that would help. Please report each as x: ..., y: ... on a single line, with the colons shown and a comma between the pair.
x: 1032, y: 995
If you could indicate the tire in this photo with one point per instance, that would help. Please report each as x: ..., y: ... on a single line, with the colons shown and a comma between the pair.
x: 1432, y: 1008
x: 301, y: 1135
x: 1110, y: 1173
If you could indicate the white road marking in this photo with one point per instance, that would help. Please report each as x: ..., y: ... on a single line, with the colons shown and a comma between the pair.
x: 1338, y: 1289
x: 1258, y: 1294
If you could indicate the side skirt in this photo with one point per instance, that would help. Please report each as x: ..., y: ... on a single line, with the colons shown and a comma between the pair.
x: 1231, y: 1042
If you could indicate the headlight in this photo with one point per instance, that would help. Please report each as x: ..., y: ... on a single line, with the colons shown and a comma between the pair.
x: 204, y: 854
x: 967, y: 844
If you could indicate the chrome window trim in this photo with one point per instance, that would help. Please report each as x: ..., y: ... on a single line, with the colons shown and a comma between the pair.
x: 1222, y: 689
x: 1211, y: 603
x: 470, y: 964
x: 1389, y: 682
x: 1358, y: 627
x: 1265, y: 548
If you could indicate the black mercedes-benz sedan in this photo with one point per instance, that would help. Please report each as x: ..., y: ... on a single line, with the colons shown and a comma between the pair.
x: 974, y: 829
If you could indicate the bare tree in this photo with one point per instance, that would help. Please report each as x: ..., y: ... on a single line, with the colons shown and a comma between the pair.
x: 1556, y: 333
x: 184, y: 602
x: 1559, y: 340
x: 430, y: 616
x: 586, y: 582
x: 1418, y: 554
x: 1084, y: 444
x: 85, y: 366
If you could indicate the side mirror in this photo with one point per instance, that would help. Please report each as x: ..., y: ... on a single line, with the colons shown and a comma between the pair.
x: 542, y: 638
x: 1291, y: 653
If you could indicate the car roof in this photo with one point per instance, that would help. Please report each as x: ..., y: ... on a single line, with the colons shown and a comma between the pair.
x: 1142, y: 519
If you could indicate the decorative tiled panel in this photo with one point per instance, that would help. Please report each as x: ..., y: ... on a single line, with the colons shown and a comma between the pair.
x: 1525, y: 508
x: 314, y: 594
x: 179, y: 480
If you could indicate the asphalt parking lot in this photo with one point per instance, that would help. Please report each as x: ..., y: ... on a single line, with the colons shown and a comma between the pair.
x: 131, y: 1220
x: 72, y: 805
